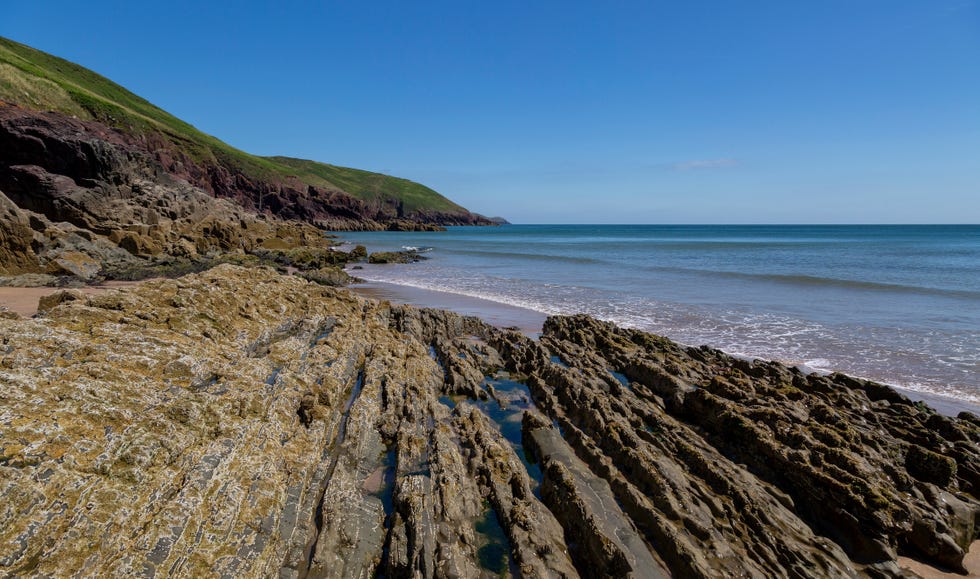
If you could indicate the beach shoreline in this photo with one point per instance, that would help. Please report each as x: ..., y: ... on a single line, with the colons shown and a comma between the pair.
x: 806, y: 296
x: 494, y: 313
x: 530, y: 323
x: 24, y: 302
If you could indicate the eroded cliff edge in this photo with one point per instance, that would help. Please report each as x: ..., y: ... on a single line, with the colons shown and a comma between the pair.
x: 239, y: 422
x: 62, y: 122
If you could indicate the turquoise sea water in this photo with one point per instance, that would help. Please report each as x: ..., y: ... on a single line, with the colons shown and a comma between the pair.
x: 899, y: 304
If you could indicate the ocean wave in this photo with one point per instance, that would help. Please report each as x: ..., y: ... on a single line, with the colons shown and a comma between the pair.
x: 865, y: 285
x: 529, y: 256
x: 803, y: 280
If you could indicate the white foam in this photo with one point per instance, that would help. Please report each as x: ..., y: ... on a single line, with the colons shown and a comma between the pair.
x: 819, y: 364
x: 754, y: 335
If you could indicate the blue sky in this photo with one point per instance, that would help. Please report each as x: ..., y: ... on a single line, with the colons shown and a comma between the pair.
x: 616, y: 111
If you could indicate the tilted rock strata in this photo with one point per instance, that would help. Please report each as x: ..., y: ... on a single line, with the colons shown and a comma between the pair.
x: 239, y: 422
x: 752, y: 463
x: 232, y: 422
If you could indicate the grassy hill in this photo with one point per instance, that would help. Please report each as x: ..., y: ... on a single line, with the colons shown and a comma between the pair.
x: 40, y: 81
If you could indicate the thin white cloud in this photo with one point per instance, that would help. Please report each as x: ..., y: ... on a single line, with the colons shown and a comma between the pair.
x: 704, y: 164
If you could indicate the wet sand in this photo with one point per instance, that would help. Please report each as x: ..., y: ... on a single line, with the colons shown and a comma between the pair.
x: 23, y: 300
x: 494, y: 313
x: 971, y: 562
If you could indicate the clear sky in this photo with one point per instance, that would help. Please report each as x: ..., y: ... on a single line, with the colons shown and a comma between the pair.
x: 617, y: 111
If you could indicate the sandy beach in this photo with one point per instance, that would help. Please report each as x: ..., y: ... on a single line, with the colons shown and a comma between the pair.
x: 494, y: 313
x: 971, y: 562
x: 23, y: 300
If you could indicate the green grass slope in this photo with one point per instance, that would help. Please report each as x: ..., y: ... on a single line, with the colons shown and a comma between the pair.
x: 40, y: 81
x: 370, y: 186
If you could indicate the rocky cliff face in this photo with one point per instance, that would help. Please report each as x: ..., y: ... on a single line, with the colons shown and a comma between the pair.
x: 243, y: 423
x: 48, y: 158
x: 83, y: 201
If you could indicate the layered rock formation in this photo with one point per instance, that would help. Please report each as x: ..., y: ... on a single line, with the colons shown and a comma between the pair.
x: 63, y: 164
x: 50, y: 107
x: 79, y: 201
x: 239, y: 422
x: 97, y: 183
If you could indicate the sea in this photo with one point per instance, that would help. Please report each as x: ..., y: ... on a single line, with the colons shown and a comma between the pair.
x: 898, y: 304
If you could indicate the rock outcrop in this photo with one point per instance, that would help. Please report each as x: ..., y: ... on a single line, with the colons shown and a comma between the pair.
x: 81, y: 202
x: 406, y: 256
x: 100, y: 209
x: 245, y: 423
x: 405, y: 225
x: 17, y: 253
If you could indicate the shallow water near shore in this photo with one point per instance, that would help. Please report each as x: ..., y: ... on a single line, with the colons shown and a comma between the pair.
x: 896, y: 304
x: 494, y: 313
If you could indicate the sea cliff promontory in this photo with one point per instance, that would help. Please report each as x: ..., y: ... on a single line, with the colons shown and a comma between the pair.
x: 240, y: 422
x: 97, y: 183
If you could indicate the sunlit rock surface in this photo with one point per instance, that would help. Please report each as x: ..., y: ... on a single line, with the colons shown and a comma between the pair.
x: 243, y: 423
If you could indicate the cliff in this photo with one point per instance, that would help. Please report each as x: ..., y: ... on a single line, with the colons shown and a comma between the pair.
x: 75, y: 105
x: 239, y: 422
x: 81, y: 203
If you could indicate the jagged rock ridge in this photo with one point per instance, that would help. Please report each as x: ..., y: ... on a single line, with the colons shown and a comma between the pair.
x: 240, y: 422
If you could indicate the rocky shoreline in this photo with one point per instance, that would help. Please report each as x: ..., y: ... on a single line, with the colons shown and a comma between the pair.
x: 81, y: 203
x: 243, y: 422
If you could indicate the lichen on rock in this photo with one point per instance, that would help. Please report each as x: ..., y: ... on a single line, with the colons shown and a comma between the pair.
x: 246, y: 423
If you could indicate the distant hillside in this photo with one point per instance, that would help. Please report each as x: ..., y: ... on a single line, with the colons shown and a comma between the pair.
x: 293, y: 188
x: 369, y: 186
